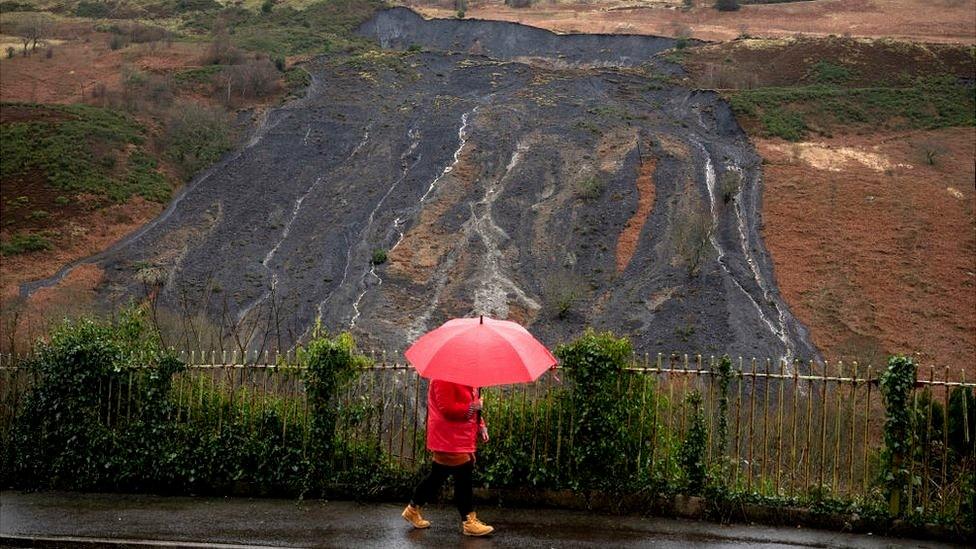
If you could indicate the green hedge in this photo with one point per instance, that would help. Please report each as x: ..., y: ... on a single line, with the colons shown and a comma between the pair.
x: 70, y: 434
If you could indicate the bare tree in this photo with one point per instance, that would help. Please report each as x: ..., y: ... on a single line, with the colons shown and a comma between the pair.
x: 31, y: 29
x: 221, y: 50
x: 254, y: 79
x: 690, y: 233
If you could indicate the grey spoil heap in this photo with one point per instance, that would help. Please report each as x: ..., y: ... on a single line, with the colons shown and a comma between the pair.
x: 493, y: 172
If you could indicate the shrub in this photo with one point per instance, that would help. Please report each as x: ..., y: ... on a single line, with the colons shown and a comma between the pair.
x: 93, y: 9
x: 296, y: 80
x: 222, y: 51
x: 10, y: 52
x: 561, y: 293
x: 379, y: 256
x: 267, y: 6
x: 195, y: 137
x: 729, y: 184
x: 331, y: 364
x: 602, y: 452
x: 116, y: 42
x: 25, y: 243
x: 253, y: 79
x: 727, y: 5
x: 828, y: 73
x: 81, y: 153
x: 77, y: 430
x: 589, y: 188
x: 784, y: 123
x: 925, y: 104
x: 724, y: 378
x: 930, y: 150
x: 62, y: 437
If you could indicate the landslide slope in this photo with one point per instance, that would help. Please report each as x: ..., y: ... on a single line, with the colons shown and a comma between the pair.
x: 412, y: 186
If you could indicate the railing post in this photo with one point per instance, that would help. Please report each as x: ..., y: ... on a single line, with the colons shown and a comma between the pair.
x: 752, y: 418
x: 762, y: 466
x: 779, y: 424
x: 794, y: 466
x: 865, y: 473
x: 823, y: 428
x: 850, y: 457
x: 837, y: 428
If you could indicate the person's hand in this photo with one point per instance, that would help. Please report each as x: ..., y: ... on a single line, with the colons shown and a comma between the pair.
x: 483, y: 433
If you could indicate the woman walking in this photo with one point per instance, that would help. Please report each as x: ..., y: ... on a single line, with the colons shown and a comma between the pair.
x: 454, y: 424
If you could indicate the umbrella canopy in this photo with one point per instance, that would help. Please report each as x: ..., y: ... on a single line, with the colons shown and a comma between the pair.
x: 480, y: 352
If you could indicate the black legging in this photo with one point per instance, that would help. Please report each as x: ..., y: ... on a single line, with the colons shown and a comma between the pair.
x: 428, y: 488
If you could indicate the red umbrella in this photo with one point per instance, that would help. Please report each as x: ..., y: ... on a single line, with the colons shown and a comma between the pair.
x: 480, y: 352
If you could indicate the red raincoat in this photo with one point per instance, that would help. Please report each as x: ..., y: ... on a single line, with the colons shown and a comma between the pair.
x: 450, y: 428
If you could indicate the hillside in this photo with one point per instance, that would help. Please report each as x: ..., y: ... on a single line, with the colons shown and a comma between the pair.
x: 814, y: 203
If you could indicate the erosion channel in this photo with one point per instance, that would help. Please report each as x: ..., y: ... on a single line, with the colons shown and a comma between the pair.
x: 478, y: 168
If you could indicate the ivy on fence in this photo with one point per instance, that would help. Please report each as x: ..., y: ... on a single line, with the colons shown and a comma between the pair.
x: 897, y: 383
x: 692, y: 453
x: 64, y: 437
x: 330, y: 364
x: 602, y: 450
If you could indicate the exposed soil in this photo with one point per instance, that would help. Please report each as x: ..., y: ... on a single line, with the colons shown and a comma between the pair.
x: 874, y: 248
x: 851, y: 263
x: 948, y: 21
x: 627, y: 242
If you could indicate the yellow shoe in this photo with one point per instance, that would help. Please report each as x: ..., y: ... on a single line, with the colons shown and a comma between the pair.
x: 474, y: 527
x: 412, y: 515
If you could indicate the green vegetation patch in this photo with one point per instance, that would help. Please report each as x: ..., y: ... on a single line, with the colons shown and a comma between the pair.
x: 81, y: 149
x: 24, y: 243
x: 825, y: 72
x: 195, y: 137
x: 296, y: 80
x: 322, y: 27
x: 197, y: 75
x: 790, y: 112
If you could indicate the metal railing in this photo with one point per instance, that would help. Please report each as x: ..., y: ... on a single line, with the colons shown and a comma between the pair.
x: 791, y: 428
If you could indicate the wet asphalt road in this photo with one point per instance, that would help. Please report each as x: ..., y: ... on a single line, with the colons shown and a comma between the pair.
x: 286, y: 523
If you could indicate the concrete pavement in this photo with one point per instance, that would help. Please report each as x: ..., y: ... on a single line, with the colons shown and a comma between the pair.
x: 72, y: 519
